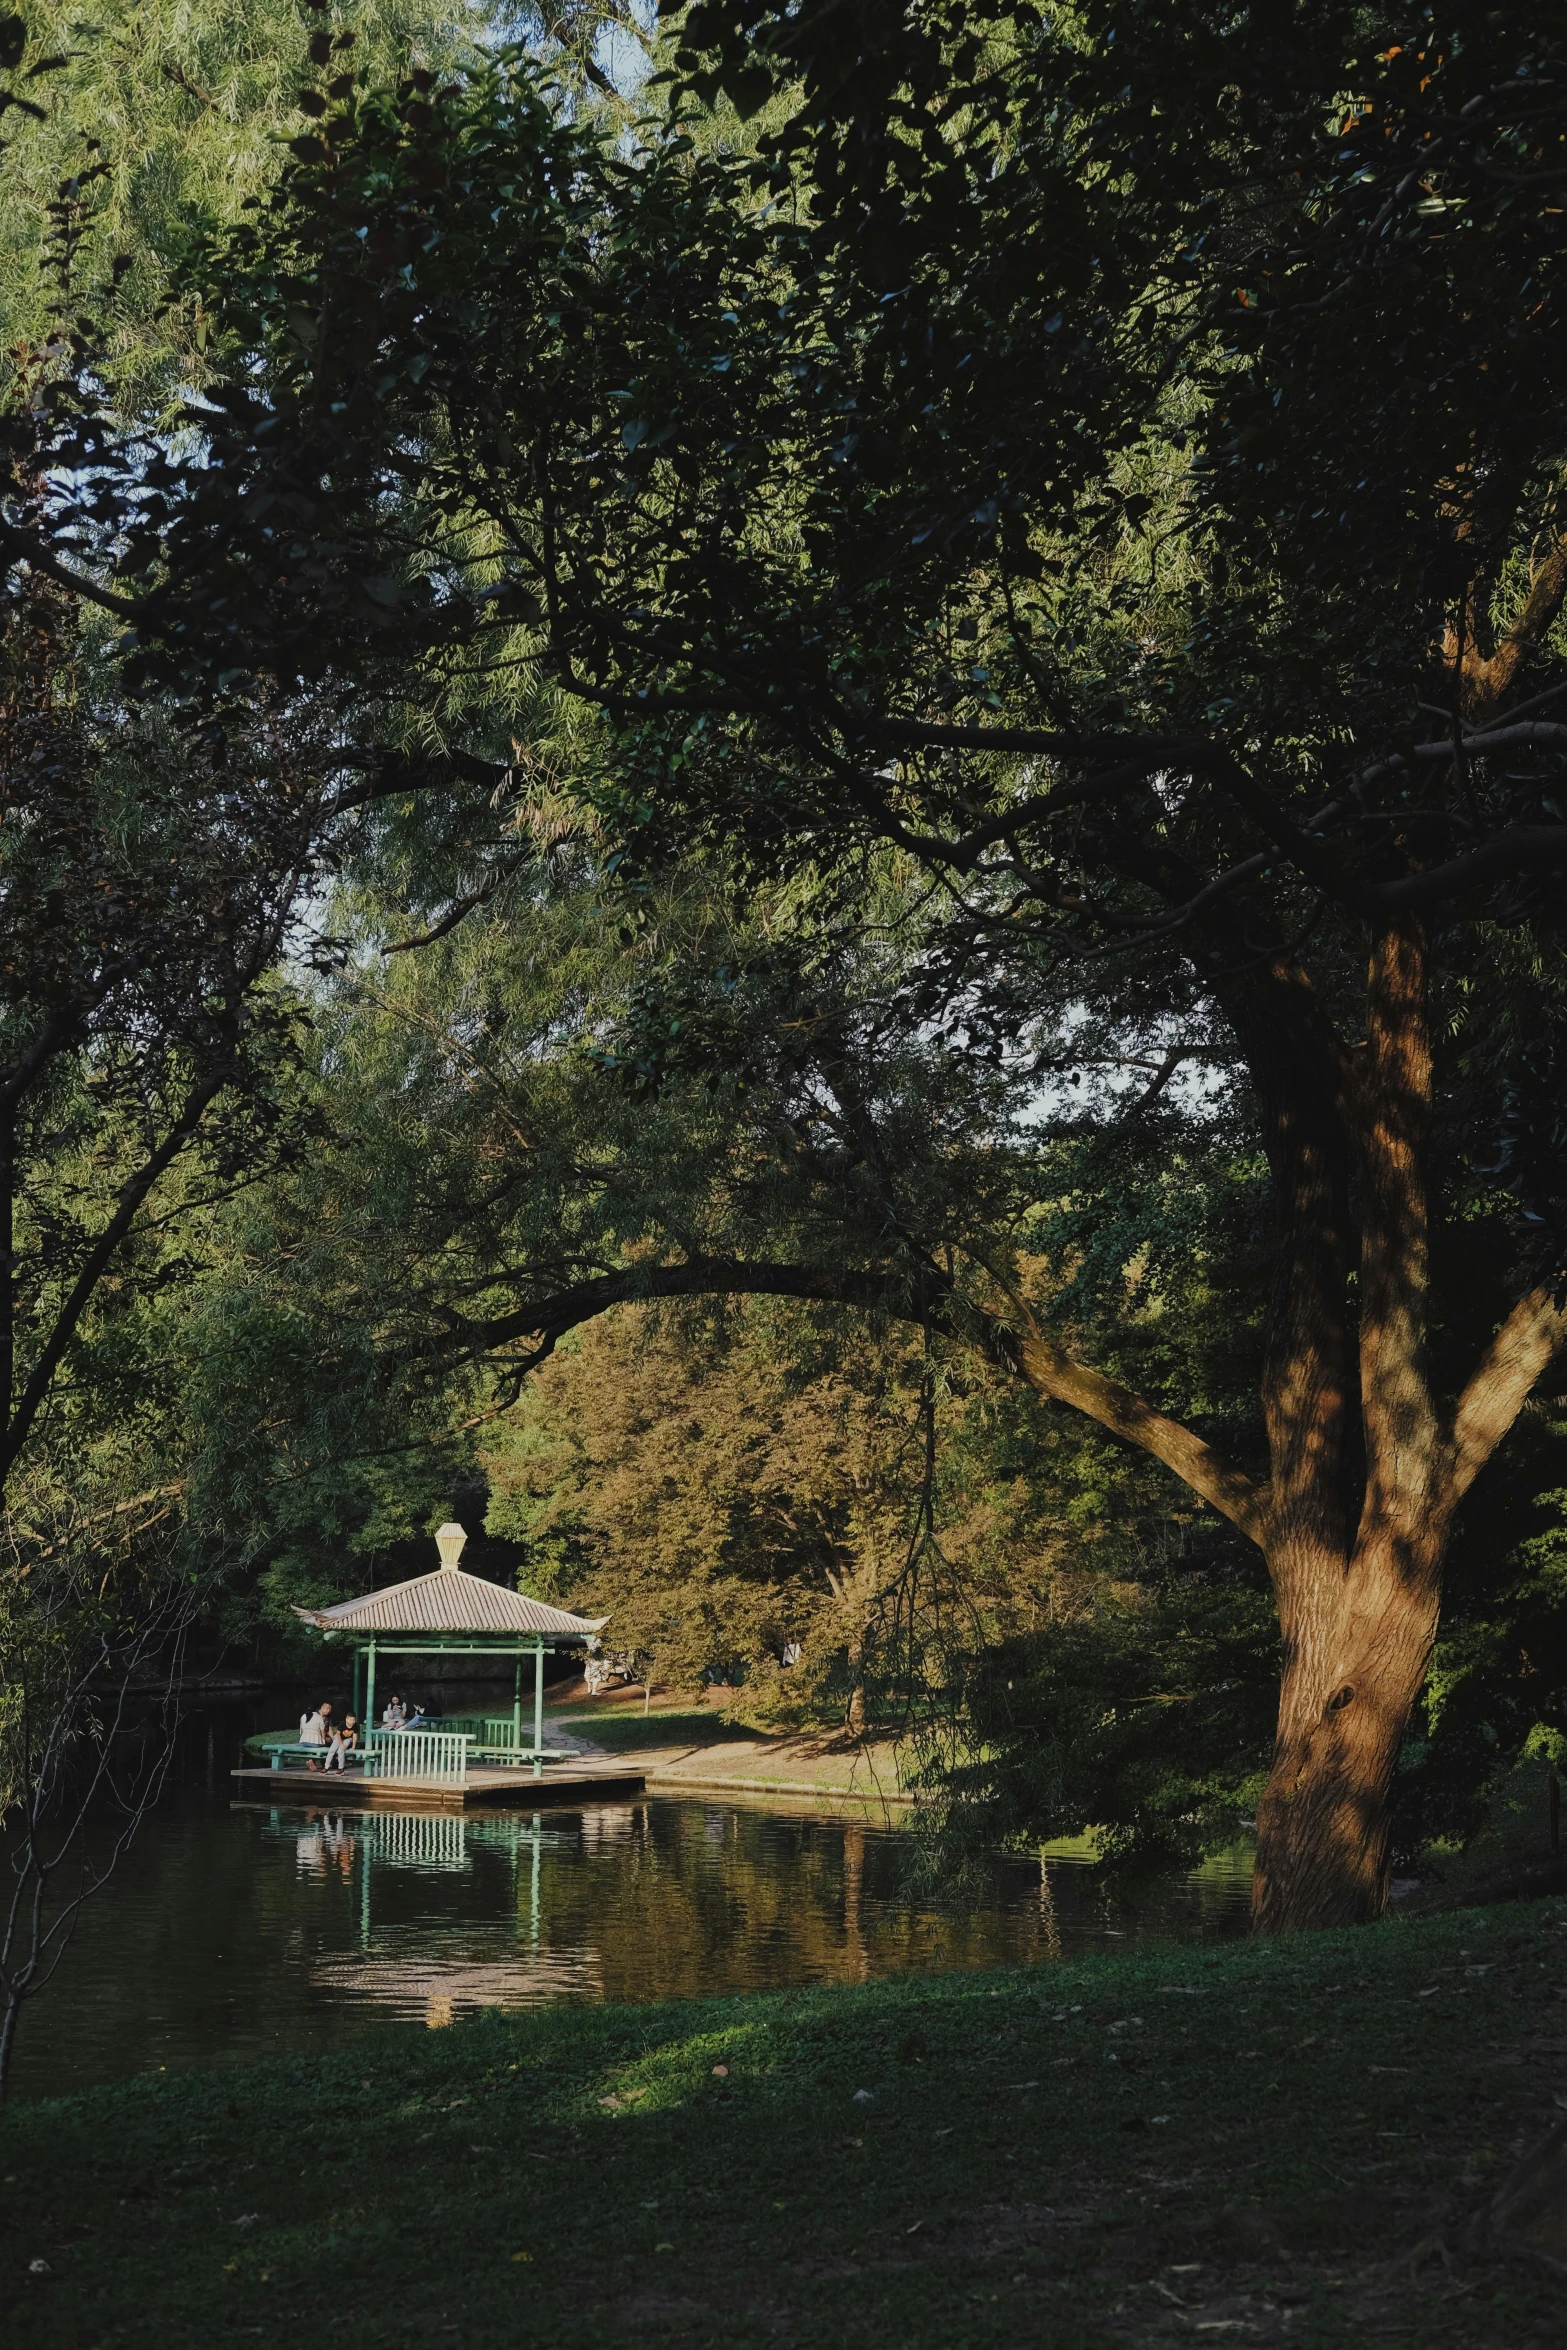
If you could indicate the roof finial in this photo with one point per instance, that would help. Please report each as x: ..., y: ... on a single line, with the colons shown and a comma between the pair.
x: 449, y: 1540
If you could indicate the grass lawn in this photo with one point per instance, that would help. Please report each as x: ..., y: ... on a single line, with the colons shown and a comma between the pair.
x: 1290, y: 2143
x: 625, y: 1730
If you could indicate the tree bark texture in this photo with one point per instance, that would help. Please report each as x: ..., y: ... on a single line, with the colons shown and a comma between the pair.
x: 1358, y: 1609
x: 1366, y: 1469
x: 1358, y: 1614
x: 1352, y: 1671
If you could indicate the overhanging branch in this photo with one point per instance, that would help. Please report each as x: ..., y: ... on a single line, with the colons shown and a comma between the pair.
x: 913, y: 1294
x: 1127, y: 1415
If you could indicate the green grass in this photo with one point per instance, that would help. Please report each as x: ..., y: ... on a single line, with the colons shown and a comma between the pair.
x: 630, y: 1733
x: 1220, y: 2143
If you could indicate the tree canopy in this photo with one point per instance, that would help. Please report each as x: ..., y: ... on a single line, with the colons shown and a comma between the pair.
x: 1023, y: 550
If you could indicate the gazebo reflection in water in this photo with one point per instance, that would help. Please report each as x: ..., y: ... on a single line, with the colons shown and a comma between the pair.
x: 365, y: 1849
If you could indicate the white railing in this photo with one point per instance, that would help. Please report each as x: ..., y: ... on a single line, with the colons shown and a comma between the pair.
x: 420, y: 1758
x: 420, y: 1840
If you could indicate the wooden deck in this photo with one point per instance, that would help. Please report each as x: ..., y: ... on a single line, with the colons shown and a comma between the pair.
x: 584, y: 1782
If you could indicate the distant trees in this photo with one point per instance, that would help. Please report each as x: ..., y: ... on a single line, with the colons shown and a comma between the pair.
x: 742, y: 1492
x: 726, y: 1477
x: 727, y: 1506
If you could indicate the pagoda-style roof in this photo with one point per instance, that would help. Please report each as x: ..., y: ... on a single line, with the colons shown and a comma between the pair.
x: 448, y: 1600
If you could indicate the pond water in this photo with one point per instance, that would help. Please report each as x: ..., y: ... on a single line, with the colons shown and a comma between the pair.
x: 239, y: 1930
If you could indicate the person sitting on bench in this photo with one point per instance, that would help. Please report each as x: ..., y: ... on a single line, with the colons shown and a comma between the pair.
x: 312, y: 1731
x: 395, y: 1716
x: 344, y: 1743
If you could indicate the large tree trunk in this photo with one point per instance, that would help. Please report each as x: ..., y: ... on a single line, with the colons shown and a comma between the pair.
x: 1351, y: 1674
x: 1358, y: 1617
x: 1359, y: 1630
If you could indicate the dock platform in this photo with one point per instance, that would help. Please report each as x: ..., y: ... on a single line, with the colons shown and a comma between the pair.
x: 352, y: 1791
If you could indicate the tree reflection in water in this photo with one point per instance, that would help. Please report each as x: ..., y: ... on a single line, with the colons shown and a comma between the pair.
x: 236, y: 1932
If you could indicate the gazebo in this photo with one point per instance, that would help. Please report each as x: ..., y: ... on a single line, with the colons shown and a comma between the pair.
x: 450, y: 1613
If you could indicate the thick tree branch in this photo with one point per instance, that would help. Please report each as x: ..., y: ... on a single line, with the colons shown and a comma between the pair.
x: 1522, y: 848
x: 912, y: 1296
x: 915, y: 1295
x: 1300, y: 1069
x: 1486, y: 682
x: 1298, y: 1065
x: 1512, y: 734
x: 1393, y: 1116
x: 1500, y: 1386
x: 1056, y: 1374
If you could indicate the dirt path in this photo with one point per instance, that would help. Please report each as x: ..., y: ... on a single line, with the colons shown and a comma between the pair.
x: 725, y: 1756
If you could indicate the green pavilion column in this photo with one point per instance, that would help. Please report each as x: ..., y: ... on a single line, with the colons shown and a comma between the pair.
x: 538, y: 1705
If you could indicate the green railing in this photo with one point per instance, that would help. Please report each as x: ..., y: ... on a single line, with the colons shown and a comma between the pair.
x: 419, y: 1758
x: 496, y: 1737
x: 488, y: 1738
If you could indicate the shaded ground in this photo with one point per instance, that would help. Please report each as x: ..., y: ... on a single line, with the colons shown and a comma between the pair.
x: 1296, y: 2143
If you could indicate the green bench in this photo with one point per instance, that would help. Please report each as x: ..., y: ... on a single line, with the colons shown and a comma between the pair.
x: 277, y: 1748
x: 494, y: 1739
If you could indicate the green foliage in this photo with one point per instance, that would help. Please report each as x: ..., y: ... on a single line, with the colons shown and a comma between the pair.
x: 735, y: 1491
x: 1069, y: 414
x: 1146, y: 1718
x: 167, y: 120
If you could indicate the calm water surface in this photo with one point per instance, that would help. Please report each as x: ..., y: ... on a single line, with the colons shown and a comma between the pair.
x: 234, y: 1931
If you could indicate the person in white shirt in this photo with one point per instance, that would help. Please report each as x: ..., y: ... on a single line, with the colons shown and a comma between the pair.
x: 313, y: 1732
x: 395, y: 1716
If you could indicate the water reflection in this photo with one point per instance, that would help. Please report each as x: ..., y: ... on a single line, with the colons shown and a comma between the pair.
x: 239, y: 1931
x: 401, y: 1959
